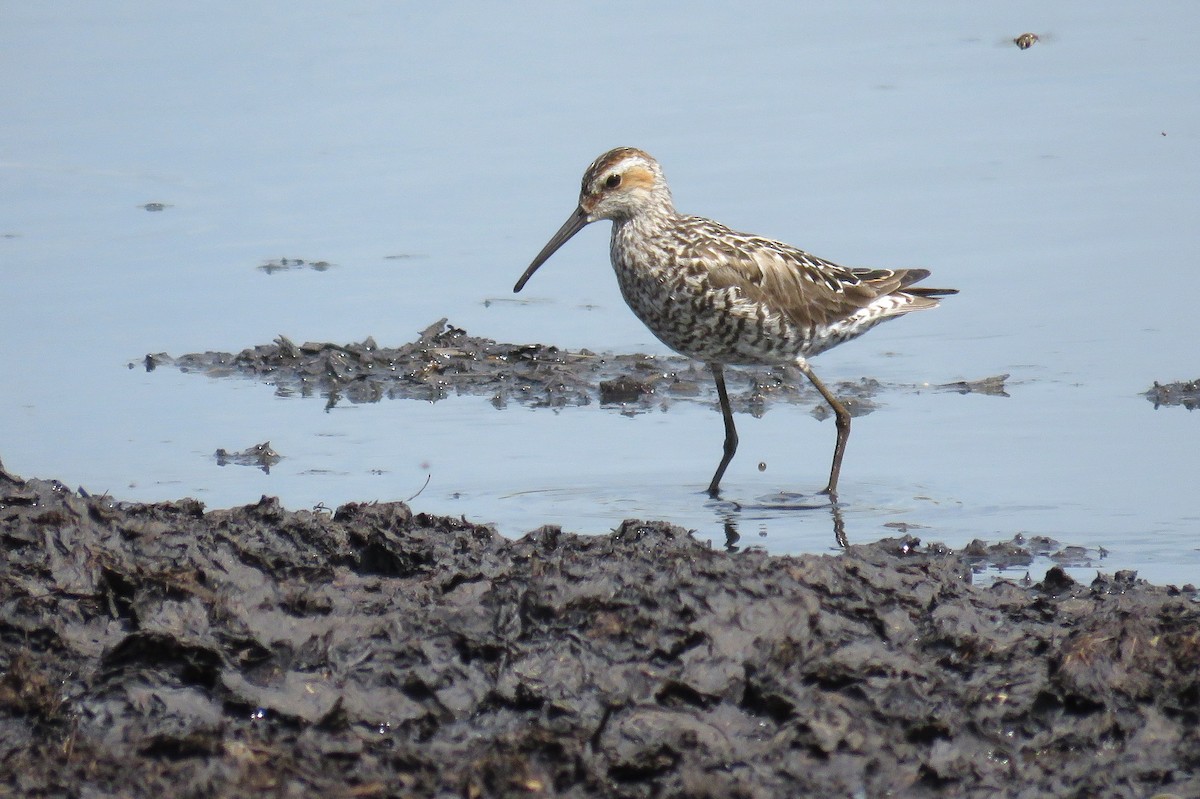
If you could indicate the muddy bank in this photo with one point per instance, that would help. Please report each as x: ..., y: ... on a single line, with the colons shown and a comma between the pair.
x: 169, y: 650
x: 445, y: 360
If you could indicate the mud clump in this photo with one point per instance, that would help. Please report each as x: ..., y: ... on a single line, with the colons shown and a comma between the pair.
x: 260, y: 456
x: 446, y: 361
x: 1181, y: 392
x: 168, y: 650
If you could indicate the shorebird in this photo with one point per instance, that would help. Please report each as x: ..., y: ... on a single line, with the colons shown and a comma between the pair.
x: 729, y: 298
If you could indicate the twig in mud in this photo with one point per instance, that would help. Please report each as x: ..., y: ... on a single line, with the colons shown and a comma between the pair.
x: 414, y: 496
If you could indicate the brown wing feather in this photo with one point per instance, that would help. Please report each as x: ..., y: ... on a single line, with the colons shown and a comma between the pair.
x: 807, y: 289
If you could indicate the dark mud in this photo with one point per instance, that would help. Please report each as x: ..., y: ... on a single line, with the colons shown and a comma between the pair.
x: 290, y: 264
x: 260, y: 456
x: 446, y: 361
x: 1183, y: 392
x: 165, y: 650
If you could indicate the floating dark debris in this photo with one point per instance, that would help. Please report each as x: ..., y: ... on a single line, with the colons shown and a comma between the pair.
x: 1185, y: 393
x: 259, y: 455
x: 1026, y: 40
x: 992, y: 386
x: 288, y: 264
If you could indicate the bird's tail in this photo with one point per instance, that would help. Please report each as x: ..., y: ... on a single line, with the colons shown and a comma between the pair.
x: 910, y: 276
x: 921, y: 291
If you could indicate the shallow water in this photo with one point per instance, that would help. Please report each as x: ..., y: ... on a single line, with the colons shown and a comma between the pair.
x: 427, y: 153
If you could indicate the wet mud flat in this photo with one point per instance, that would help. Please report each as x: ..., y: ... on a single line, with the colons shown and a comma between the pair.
x: 170, y: 650
x: 445, y: 361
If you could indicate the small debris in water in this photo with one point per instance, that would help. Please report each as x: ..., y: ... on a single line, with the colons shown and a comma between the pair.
x: 992, y: 386
x: 903, y: 527
x: 260, y: 456
x: 287, y: 264
x: 1026, y: 40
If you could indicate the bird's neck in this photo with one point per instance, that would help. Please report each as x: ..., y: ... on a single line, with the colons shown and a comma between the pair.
x: 650, y: 221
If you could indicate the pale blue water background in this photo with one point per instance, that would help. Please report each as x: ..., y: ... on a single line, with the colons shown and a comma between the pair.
x: 1040, y: 183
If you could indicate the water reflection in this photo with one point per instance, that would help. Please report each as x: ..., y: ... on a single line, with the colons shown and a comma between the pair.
x: 729, y: 513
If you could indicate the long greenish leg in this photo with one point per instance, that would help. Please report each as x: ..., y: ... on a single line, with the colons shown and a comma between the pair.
x: 731, y: 436
x: 842, y: 418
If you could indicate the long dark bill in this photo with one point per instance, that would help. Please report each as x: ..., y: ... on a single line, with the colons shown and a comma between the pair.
x: 575, y: 223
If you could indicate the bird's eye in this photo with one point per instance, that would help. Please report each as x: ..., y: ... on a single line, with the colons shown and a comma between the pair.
x: 612, y: 182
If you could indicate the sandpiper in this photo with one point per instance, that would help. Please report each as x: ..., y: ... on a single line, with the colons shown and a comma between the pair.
x: 729, y: 298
